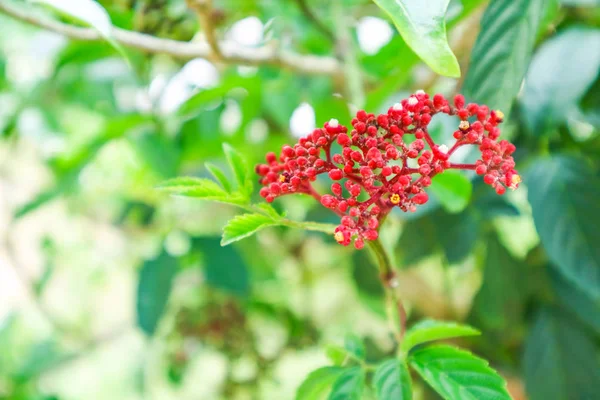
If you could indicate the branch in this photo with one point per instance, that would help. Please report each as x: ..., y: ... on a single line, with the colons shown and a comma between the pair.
x: 231, y: 52
x: 203, y: 9
x: 310, y: 15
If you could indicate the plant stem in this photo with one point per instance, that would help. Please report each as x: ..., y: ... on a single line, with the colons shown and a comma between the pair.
x: 394, y: 307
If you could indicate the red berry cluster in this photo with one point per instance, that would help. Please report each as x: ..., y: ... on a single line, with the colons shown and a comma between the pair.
x: 384, y: 163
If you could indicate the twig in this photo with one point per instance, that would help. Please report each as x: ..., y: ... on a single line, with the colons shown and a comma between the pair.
x: 203, y: 9
x: 231, y: 52
x: 310, y: 15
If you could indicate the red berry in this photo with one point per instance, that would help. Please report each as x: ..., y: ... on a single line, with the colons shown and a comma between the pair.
x: 336, y: 174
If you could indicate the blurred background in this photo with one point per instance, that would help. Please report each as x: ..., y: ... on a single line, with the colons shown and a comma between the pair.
x: 112, y: 290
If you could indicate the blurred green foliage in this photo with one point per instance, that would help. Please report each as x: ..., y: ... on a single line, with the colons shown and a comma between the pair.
x: 130, y: 289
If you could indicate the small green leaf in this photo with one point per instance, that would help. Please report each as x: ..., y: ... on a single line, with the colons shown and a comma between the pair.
x: 423, y: 27
x: 560, y: 359
x: 154, y: 289
x: 318, y: 383
x: 245, y: 225
x: 337, y: 354
x: 453, y: 189
x: 219, y: 176
x: 200, y: 188
x: 392, y: 381
x: 349, y: 385
x: 502, y: 52
x: 355, y: 346
x: 559, y: 75
x: 430, y: 330
x: 458, y: 375
x: 240, y: 169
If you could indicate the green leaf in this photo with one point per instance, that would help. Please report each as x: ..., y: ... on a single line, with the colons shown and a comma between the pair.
x: 240, y: 169
x: 224, y: 268
x: 219, y: 176
x: 336, y: 354
x: 87, y: 11
x: 318, y: 383
x: 423, y: 27
x: 392, y: 381
x: 453, y: 189
x: 560, y: 360
x: 465, y: 226
x: 564, y: 194
x: 560, y: 74
x: 349, y: 385
x: 573, y: 298
x: 417, y: 241
x: 502, y: 52
x: 154, y: 289
x: 245, y: 225
x: 430, y: 330
x: 200, y: 188
x: 499, y: 303
x: 458, y: 375
x: 355, y: 346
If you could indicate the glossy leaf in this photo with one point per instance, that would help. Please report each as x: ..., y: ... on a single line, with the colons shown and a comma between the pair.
x: 242, y: 226
x: 564, y: 194
x: 453, y: 189
x: 560, y: 74
x: 502, y: 52
x: 349, y: 385
x: 431, y: 330
x: 392, y: 381
x: 458, y: 375
x: 154, y: 289
x: 560, y: 359
x: 318, y: 383
x: 423, y: 27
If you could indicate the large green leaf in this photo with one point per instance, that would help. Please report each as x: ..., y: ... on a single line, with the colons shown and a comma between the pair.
x: 564, y: 193
x: 423, y: 27
x: 458, y: 375
x: 560, y: 360
x: 154, y: 289
x: 430, y: 330
x: 224, y: 267
x: 502, y: 51
x: 574, y: 299
x: 349, y: 385
x: 560, y: 74
x: 318, y: 383
x: 243, y: 226
x: 499, y: 302
x: 392, y: 381
x: 87, y: 11
x: 453, y: 189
